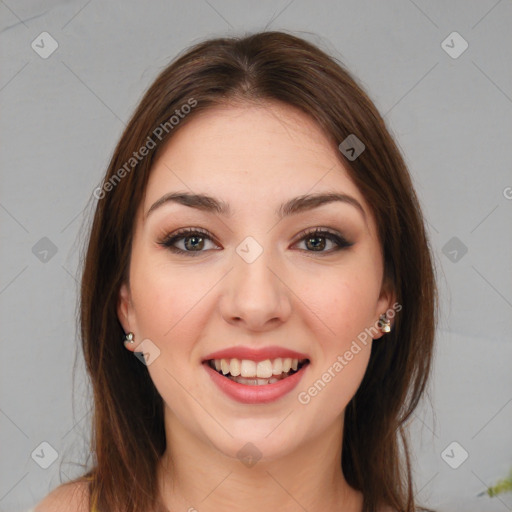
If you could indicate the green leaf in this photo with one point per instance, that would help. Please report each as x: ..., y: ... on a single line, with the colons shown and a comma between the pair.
x: 502, y: 486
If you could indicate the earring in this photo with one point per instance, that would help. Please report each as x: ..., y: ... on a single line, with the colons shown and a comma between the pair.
x: 128, y: 340
x: 385, y: 323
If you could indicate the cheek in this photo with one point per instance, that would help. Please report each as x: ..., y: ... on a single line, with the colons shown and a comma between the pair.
x: 170, y: 310
x: 338, y: 314
x: 329, y: 390
x: 343, y: 347
x: 341, y: 304
x: 166, y: 297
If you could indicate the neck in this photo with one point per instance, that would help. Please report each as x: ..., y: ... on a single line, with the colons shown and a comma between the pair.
x: 194, y: 476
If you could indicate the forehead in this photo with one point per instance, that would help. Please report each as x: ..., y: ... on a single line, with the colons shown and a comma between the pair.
x: 243, y: 153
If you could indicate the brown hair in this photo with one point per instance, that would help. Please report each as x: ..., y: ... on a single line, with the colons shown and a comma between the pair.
x: 128, y: 428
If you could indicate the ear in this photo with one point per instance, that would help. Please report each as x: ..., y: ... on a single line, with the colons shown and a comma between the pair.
x: 386, y: 303
x: 125, y: 311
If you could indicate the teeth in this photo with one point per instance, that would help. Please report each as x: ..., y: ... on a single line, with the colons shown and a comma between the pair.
x: 234, y: 367
x: 247, y: 368
x: 277, y: 367
x: 224, y: 366
x: 254, y: 382
x: 261, y: 370
x: 264, y: 369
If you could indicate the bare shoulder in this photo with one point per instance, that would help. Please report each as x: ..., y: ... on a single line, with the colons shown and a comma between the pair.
x: 69, y: 497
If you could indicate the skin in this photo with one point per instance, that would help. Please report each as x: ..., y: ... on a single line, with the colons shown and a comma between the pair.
x: 254, y: 157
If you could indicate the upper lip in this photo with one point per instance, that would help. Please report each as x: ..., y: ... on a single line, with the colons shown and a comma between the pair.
x: 255, y: 354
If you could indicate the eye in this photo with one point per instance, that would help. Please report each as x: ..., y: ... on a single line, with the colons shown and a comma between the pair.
x: 315, y: 239
x: 194, y: 241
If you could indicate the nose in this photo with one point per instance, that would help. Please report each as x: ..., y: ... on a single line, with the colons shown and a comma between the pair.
x: 255, y: 295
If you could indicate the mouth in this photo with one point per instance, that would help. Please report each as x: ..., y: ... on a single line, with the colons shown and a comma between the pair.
x: 257, y: 373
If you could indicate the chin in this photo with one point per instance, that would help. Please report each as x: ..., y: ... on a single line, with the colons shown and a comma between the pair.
x: 254, y: 448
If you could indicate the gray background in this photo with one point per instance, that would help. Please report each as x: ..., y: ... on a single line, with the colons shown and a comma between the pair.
x: 62, y: 116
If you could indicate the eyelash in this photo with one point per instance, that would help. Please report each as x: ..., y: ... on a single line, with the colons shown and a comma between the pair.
x: 317, y: 232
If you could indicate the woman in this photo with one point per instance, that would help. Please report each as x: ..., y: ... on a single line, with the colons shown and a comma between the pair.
x: 259, y: 247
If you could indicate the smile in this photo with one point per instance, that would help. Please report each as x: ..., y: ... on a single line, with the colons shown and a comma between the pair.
x: 261, y: 373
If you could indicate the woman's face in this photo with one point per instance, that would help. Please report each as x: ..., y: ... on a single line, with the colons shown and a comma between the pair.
x: 252, y: 285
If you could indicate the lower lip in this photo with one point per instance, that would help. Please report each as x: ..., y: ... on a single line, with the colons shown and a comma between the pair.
x: 255, y: 394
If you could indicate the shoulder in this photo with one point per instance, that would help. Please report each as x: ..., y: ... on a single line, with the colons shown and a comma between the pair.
x: 69, y: 497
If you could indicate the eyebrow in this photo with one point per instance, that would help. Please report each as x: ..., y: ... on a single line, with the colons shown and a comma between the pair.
x: 296, y: 205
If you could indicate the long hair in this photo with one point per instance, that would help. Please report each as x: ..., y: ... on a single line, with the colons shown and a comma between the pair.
x: 128, y: 435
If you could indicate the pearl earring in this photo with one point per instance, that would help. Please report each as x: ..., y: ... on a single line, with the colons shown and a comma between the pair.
x: 128, y: 340
x: 385, y: 323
